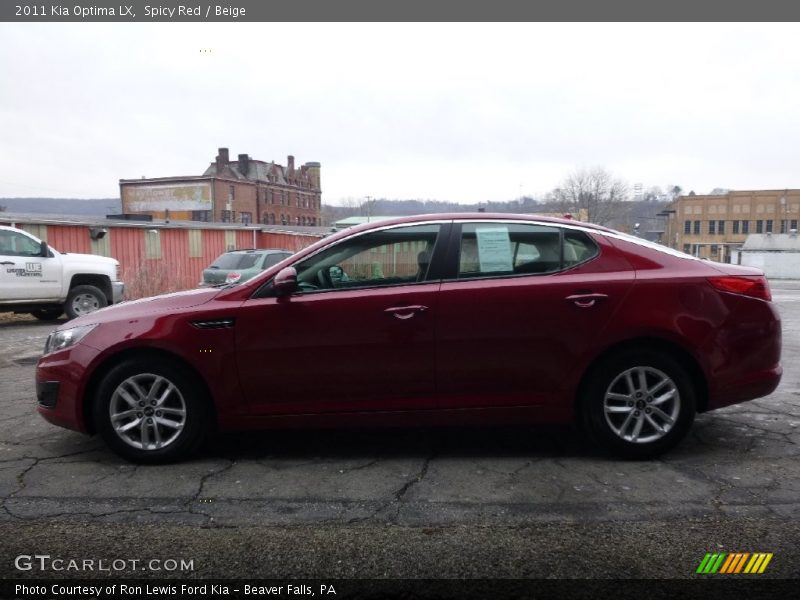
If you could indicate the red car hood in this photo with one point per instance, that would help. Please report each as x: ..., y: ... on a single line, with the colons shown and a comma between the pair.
x: 165, y: 303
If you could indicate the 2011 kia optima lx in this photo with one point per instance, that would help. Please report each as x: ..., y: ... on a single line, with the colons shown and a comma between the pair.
x: 438, y: 319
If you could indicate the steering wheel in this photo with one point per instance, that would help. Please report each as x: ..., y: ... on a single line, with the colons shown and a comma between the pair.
x: 304, y: 286
x: 324, y: 277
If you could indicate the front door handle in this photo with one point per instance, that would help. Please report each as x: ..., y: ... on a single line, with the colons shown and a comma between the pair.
x: 405, y: 312
x: 585, y: 300
x: 6, y: 262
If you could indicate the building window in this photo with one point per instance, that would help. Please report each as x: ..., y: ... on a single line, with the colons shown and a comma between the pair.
x: 712, y: 226
x: 759, y: 226
x: 297, y: 219
x: 195, y: 237
x: 714, y: 249
x: 201, y: 215
x: 697, y: 227
x: 783, y: 225
x: 745, y: 226
x: 231, y: 192
x: 793, y: 224
x: 721, y: 227
x: 687, y: 248
x: 228, y: 216
x: 152, y: 244
x: 687, y: 227
x: 769, y: 225
x: 272, y: 218
x: 246, y: 217
x: 736, y: 227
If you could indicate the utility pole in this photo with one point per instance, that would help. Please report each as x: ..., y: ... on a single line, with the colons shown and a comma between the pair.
x: 368, y: 200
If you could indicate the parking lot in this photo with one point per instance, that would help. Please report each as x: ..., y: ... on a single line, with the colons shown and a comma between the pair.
x: 527, y: 502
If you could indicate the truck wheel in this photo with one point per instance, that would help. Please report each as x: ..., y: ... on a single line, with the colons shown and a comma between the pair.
x: 47, y: 314
x: 84, y: 299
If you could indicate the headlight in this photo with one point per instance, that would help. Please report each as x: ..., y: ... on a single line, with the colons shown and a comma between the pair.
x: 64, y: 338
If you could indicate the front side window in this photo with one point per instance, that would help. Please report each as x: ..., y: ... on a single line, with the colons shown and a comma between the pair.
x: 17, y: 244
x: 503, y: 249
x: 396, y: 256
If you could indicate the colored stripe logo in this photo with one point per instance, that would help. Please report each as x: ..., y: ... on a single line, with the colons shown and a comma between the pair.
x: 734, y: 563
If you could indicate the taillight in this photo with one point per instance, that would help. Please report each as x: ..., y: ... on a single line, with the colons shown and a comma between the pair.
x: 233, y: 277
x: 755, y: 286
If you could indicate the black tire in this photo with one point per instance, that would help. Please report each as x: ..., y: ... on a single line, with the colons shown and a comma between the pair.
x: 47, y: 314
x: 84, y: 299
x: 613, y: 406
x: 138, y: 442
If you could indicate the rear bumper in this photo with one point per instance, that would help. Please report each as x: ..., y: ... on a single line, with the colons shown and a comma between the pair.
x: 745, y: 355
x: 748, y: 387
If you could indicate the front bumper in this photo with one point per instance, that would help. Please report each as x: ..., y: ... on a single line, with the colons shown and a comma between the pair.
x: 60, y: 384
x: 117, y: 292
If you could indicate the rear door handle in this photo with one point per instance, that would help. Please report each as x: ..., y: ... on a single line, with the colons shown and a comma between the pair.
x: 405, y: 312
x: 585, y: 300
x: 6, y: 262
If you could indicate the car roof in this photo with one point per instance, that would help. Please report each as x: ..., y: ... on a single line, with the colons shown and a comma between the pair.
x: 472, y: 216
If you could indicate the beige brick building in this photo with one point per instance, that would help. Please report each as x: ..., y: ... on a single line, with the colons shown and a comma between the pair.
x: 711, y: 226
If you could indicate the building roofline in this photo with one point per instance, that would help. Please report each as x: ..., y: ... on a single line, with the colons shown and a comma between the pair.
x: 73, y: 221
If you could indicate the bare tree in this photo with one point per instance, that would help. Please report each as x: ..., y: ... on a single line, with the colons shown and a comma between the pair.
x: 595, y: 191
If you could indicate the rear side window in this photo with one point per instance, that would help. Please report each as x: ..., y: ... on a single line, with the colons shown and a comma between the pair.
x: 504, y: 249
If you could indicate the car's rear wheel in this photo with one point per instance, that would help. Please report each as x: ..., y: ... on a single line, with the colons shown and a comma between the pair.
x: 47, y: 314
x: 151, y: 411
x: 638, y: 404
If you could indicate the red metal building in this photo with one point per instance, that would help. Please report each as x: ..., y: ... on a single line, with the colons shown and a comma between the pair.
x: 159, y: 256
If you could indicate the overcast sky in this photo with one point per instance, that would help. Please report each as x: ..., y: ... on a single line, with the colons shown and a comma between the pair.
x: 461, y: 112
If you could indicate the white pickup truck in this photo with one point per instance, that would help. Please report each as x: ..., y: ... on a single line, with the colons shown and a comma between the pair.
x: 37, y: 279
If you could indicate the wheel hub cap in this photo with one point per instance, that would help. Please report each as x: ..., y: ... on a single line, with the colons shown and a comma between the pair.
x: 642, y: 405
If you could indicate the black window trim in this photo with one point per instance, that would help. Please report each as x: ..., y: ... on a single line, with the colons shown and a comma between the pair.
x: 454, y: 249
x: 437, y: 260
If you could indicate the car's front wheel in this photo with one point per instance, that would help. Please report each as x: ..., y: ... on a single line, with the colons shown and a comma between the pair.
x: 638, y: 404
x: 151, y: 411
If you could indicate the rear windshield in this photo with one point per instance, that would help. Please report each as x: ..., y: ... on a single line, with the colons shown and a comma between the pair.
x: 235, y: 261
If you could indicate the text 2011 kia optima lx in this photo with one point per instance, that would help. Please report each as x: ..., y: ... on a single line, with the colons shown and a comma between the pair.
x: 443, y: 319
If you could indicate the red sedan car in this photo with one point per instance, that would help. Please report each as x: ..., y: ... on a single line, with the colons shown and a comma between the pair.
x: 439, y: 319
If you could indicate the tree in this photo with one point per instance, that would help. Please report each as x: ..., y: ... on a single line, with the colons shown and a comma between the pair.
x: 593, y: 190
x: 673, y: 191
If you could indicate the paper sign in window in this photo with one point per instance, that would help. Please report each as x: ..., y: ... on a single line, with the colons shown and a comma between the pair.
x: 494, y: 249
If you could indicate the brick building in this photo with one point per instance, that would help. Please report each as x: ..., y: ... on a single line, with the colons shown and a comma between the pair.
x: 240, y: 191
x: 712, y: 226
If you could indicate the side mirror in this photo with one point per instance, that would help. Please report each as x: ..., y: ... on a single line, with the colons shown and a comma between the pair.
x: 285, y: 282
x: 45, y: 250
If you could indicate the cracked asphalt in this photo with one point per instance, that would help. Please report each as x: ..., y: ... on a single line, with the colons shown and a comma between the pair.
x: 451, y: 503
